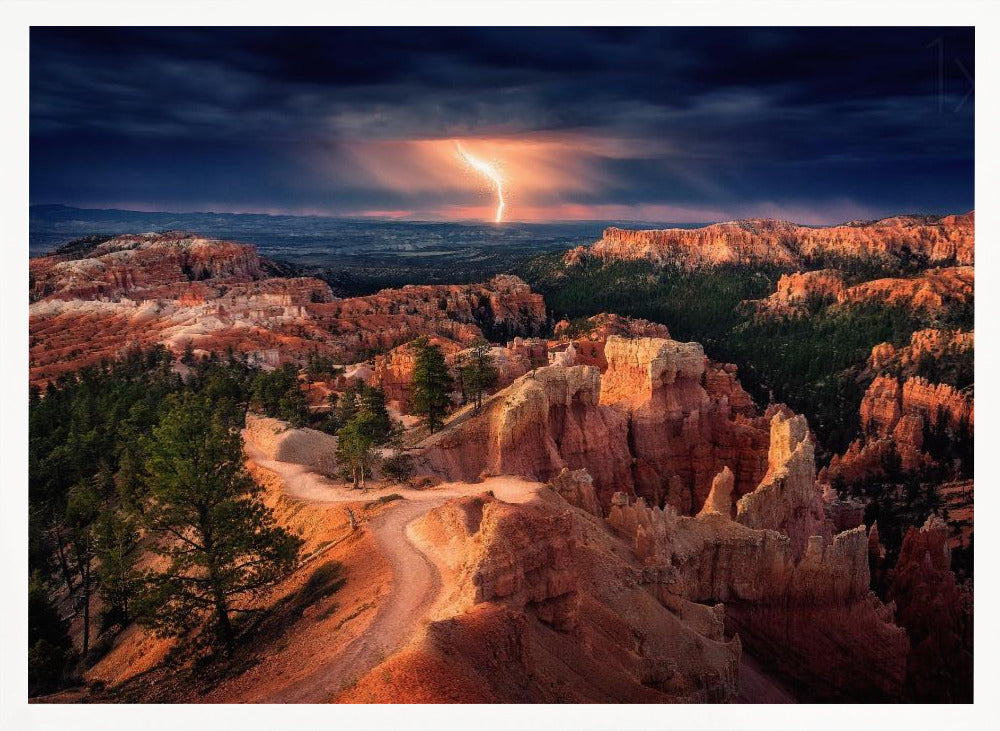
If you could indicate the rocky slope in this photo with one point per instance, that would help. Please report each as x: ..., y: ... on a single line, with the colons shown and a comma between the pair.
x: 945, y: 240
x: 175, y: 289
x: 546, y: 605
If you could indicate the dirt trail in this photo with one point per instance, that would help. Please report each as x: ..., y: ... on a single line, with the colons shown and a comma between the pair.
x: 416, y: 583
x: 415, y: 586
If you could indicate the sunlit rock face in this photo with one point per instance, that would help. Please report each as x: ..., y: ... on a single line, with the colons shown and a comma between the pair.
x: 932, y: 291
x: 945, y: 240
x: 660, y: 422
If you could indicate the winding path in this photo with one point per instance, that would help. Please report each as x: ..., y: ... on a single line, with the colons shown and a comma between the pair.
x: 416, y: 581
x: 415, y: 585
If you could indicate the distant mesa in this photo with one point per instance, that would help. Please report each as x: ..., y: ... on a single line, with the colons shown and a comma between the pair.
x: 936, y: 240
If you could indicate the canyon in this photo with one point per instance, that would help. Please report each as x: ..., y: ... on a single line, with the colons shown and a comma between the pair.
x: 620, y: 521
x: 179, y: 290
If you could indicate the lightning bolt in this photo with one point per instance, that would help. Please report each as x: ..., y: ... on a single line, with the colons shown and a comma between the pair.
x: 490, y: 172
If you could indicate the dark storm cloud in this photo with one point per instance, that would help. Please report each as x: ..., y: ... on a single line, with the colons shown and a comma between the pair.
x: 716, y: 119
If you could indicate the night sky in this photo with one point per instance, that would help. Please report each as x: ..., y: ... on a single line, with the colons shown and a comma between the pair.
x: 682, y: 125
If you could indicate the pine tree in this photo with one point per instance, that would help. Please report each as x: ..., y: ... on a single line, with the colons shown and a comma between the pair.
x: 356, y: 452
x: 116, y: 547
x: 82, y: 510
x: 49, y: 648
x: 431, y: 383
x: 478, y: 373
x: 221, y: 541
x: 369, y: 426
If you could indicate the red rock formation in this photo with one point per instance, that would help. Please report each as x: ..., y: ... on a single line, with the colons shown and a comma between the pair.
x: 937, y: 613
x: 586, y: 345
x: 129, y: 263
x: 932, y: 290
x: 806, y: 612
x: 581, y: 614
x: 681, y: 435
x: 176, y: 289
x: 546, y: 420
x: 394, y: 371
x: 823, y: 284
x: 647, y: 426
x: 788, y: 499
x: 929, y: 343
x: 894, y: 414
x: 795, y: 591
x: 721, y: 243
x: 720, y: 497
x: 944, y: 240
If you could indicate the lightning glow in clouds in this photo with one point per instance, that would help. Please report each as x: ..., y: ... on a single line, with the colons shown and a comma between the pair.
x: 488, y: 170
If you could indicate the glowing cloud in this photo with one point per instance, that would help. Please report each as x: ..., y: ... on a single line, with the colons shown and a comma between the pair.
x: 488, y: 170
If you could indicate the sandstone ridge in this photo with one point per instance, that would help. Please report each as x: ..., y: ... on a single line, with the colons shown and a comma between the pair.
x: 944, y: 240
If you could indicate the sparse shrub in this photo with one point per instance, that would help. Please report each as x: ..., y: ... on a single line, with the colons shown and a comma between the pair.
x: 391, y: 497
x: 398, y: 468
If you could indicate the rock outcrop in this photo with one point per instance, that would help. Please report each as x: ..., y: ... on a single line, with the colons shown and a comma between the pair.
x: 945, y: 240
x: 545, y: 421
x: 925, y: 345
x: 788, y: 499
x: 824, y: 285
x: 806, y: 612
x: 895, y: 414
x: 647, y: 426
x: 681, y: 433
